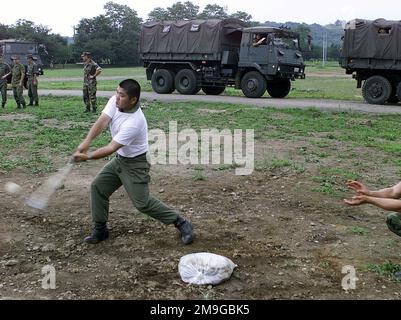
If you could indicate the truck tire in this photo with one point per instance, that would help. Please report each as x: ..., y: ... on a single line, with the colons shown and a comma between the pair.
x: 279, y: 89
x: 214, y: 91
x: 186, y: 82
x: 253, y: 84
x: 163, y: 81
x: 376, y: 90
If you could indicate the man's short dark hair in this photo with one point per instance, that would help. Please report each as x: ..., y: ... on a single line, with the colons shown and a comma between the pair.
x: 131, y: 87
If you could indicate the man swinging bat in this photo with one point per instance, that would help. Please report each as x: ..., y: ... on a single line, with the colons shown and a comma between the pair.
x: 129, y: 168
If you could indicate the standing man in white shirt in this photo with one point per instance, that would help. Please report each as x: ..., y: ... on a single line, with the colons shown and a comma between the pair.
x: 129, y: 168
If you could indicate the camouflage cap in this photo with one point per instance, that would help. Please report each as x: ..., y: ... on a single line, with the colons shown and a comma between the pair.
x: 86, y: 53
x: 29, y: 56
x: 14, y: 57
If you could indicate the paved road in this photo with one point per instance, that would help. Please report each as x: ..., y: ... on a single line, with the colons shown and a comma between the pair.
x: 324, y: 105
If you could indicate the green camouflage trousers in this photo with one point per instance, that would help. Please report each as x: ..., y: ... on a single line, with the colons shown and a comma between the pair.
x: 18, y: 96
x: 3, y: 90
x: 89, y: 94
x: 133, y: 174
x: 393, y: 222
x: 32, y: 92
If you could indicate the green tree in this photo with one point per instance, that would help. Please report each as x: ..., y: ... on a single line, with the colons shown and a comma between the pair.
x: 179, y: 11
x: 213, y: 11
x: 242, y: 16
x: 158, y: 14
x: 304, y: 36
x: 112, y: 37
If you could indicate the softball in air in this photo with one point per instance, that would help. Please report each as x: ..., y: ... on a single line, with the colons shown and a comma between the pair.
x: 12, y: 188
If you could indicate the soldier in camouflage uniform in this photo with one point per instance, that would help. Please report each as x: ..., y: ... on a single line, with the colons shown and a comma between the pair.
x: 5, y: 71
x: 17, y: 81
x: 32, y: 74
x: 91, y: 71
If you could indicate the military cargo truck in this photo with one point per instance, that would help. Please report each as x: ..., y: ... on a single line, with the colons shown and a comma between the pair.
x: 12, y: 47
x: 371, y: 52
x: 191, y: 55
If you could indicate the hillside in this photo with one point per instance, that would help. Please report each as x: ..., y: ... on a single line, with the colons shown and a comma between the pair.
x: 334, y: 31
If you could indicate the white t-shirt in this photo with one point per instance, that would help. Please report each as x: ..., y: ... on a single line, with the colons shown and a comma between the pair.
x: 128, y: 129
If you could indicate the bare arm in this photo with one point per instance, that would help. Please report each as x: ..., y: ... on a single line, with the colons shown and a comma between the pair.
x: 100, y: 124
x: 393, y: 192
x: 6, y: 75
x: 99, y: 153
x: 98, y: 71
x: 384, y: 203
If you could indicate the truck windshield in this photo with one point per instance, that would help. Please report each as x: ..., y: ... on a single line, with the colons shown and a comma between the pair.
x: 288, y: 42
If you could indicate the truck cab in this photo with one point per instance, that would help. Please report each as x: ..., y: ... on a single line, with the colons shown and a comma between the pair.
x: 12, y: 47
x: 278, y: 59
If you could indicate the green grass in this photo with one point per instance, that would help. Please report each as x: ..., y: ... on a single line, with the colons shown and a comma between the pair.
x: 103, y: 85
x: 199, y: 175
x: 331, y: 180
x: 359, y: 231
x: 387, y: 269
x: 53, y: 130
x: 277, y: 164
x: 109, y: 72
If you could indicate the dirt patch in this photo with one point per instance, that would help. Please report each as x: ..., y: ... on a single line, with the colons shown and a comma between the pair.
x: 54, y: 123
x: 14, y: 117
x: 289, y: 242
x: 208, y: 111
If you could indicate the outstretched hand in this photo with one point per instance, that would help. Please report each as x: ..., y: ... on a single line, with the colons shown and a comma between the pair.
x: 355, y: 200
x: 357, y: 187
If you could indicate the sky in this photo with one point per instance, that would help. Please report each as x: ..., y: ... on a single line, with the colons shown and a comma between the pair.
x: 62, y: 16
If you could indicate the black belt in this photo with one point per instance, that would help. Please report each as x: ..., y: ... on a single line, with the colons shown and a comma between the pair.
x: 130, y: 158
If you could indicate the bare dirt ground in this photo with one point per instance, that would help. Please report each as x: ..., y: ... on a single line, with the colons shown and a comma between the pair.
x: 288, y: 242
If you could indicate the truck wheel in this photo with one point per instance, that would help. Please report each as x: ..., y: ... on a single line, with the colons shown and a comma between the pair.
x: 163, y: 81
x: 213, y: 90
x: 376, y: 90
x: 279, y: 89
x: 186, y: 82
x: 253, y: 84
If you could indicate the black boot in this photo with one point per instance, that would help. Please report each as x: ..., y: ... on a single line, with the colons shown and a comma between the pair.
x: 3, y: 104
x: 185, y: 227
x: 30, y: 103
x: 100, y: 233
x: 23, y: 105
x: 18, y: 106
x: 36, y: 104
x: 94, y: 110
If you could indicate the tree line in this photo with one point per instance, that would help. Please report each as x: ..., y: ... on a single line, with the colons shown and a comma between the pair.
x: 113, y: 37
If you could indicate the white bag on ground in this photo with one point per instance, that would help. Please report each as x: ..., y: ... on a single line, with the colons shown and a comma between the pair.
x: 205, y: 268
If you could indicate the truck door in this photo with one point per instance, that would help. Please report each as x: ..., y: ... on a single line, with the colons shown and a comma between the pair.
x: 261, y: 54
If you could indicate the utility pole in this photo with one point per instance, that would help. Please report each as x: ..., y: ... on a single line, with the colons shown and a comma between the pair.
x: 324, y: 48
